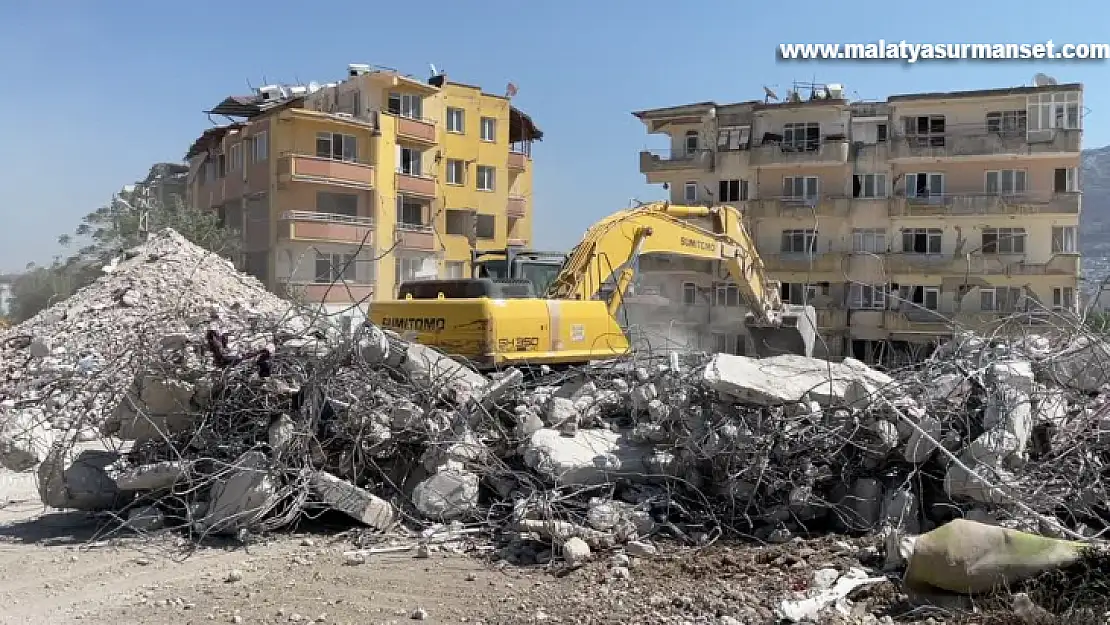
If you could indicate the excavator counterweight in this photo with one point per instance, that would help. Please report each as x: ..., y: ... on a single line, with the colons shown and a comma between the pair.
x: 575, y: 319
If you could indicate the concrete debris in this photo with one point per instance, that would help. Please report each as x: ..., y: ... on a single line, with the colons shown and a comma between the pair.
x: 234, y: 415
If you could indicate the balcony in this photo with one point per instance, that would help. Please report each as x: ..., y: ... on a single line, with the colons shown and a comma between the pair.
x: 305, y: 168
x: 416, y: 185
x: 831, y: 319
x: 517, y: 161
x: 790, y: 207
x: 942, y: 322
x: 828, y: 152
x: 415, y: 237
x: 813, y: 263
x: 653, y: 161
x: 870, y: 153
x: 312, y: 226
x: 1049, y: 142
x: 977, y: 265
x: 516, y: 242
x: 955, y: 204
x: 330, y: 293
x: 517, y: 206
x: 416, y: 130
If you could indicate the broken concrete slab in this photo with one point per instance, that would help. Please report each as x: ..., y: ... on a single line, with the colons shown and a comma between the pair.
x: 242, y: 498
x: 79, y: 480
x: 25, y: 438
x: 790, y: 379
x: 450, y: 493
x: 153, y: 477
x: 591, y: 456
x: 357, y: 503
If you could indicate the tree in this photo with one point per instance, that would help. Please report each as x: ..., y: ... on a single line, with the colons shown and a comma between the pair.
x: 122, y: 223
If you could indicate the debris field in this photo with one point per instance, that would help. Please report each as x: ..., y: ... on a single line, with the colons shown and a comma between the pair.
x: 177, y: 394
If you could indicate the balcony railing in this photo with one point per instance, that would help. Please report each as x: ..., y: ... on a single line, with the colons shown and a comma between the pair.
x: 517, y: 161
x: 416, y: 184
x: 415, y: 237
x: 1027, y: 203
x: 945, y: 320
x: 802, y: 262
x: 828, y: 151
x: 340, y: 292
x: 985, y: 144
x: 311, y: 168
x: 976, y: 264
x: 670, y: 160
x: 799, y: 207
x: 517, y: 206
x: 418, y: 130
x: 296, y: 225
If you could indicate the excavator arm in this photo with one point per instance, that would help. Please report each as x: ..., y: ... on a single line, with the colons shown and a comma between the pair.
x: 606, y: 258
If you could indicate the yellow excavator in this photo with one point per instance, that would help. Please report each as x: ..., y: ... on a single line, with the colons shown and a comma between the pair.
x: 500, y: 322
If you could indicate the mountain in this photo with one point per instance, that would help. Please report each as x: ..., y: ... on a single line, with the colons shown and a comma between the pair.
x: 1094, y: 231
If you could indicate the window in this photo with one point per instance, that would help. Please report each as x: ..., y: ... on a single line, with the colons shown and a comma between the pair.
x: 880, y: 133
x: 409, y: 161
x: 409, y: 213
x: 1065, y: 180
x: 456, y: 171
x: 1000, y: 299
x: 689, y: 293
x: 799, y: 241
x: 260, y: 147
x: 797, y: 292
x: 485, y: 177
x: 459, y: 221
x: 925, y: 186
x: 1007, y: 122
x: 869, y: 185
x: 871, y: 240
x: 690, y: 192
x: 337, y: 203
x: 414, y: 268
x: 1006, y: 181
x: 725, y: 294
x: 800, y: 187
x: 406, y: 105
x: 733, y: 138
x: 924, y: 131
x: 921, y: 240
x: 1003, y: 241
x: 336, y: 146
x: 1063, y: 299
x: 334, y: 267
x: 456, y: 120
x: 1049, y: 111
x: 927, y: 297
x: 866, y: 297
x: 801, y: 137
x: 235, y: 157
x: 1064, y: 239
x: 485, y: 226
x: 453, y: 269
x: 732, y: 191
x: 489, y: 129
x: 691, y: 144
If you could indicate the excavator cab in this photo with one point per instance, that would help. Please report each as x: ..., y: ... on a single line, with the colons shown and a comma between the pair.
x: 515, y: 263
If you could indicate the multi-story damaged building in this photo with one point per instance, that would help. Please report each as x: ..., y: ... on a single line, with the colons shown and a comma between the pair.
x: 895, y: 219
x: 344, y: 190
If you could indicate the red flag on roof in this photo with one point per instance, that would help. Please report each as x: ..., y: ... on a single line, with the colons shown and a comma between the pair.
x: 510, y: 90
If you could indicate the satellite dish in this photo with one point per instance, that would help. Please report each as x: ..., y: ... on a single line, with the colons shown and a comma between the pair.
x: 768, y: 94
x: 313, y: 86
x: 432, y: 66
x: 1043, y: 80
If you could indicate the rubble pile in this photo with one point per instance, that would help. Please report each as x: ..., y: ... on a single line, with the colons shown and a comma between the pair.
x: 64, y: 369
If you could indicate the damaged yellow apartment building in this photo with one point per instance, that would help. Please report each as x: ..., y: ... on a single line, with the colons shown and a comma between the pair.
x: 343, y: 190
x: 897, y: 220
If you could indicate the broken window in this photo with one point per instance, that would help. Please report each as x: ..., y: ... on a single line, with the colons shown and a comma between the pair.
x: 1007, y: 122
x: 690, y: 192
x: 1065, y: 180
x: 459, y: 221
x: 732, y: 191
x: 1064, y: 239
x: 726, y: 294
x: 407, y: 105
x: 409, y: 213
x: 921, y: 240
x: 1063, y: 299
x: 880, y: 133
x: 733, y: 138
x: 799, y: 241
x: 485, y: 226
x: 689, y: 293
x: 869, y: 185
x: 925, y: 131
x: 1006, y: 181
x: 1000, y: 299
x: 801, y: 137
x: 927, y: 297
x: 1003, y: 241
x: 800, y: 187
x: 1054, y: 111
x: 337, y: 203
x: 691, y: 142
x: 409, y: 161
x: 336, y: 146
x: 797, y: 292
x: 924, y: 185
x: 334, y: 267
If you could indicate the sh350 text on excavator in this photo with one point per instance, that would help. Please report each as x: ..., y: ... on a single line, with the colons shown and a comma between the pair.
x: 499, y: 322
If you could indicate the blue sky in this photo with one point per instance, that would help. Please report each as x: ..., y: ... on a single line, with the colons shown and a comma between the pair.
x: 97, y: 91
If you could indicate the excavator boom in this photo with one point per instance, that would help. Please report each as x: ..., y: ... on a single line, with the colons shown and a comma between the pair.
x: 576, y: 319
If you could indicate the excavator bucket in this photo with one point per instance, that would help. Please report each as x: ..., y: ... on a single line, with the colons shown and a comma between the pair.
x: 795, y: 333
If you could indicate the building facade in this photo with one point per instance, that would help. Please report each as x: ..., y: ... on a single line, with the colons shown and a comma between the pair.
x: 344, y: 190
x: 897, y: 220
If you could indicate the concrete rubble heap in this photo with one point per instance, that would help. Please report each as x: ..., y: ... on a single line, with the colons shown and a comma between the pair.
x: 223, y: 414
